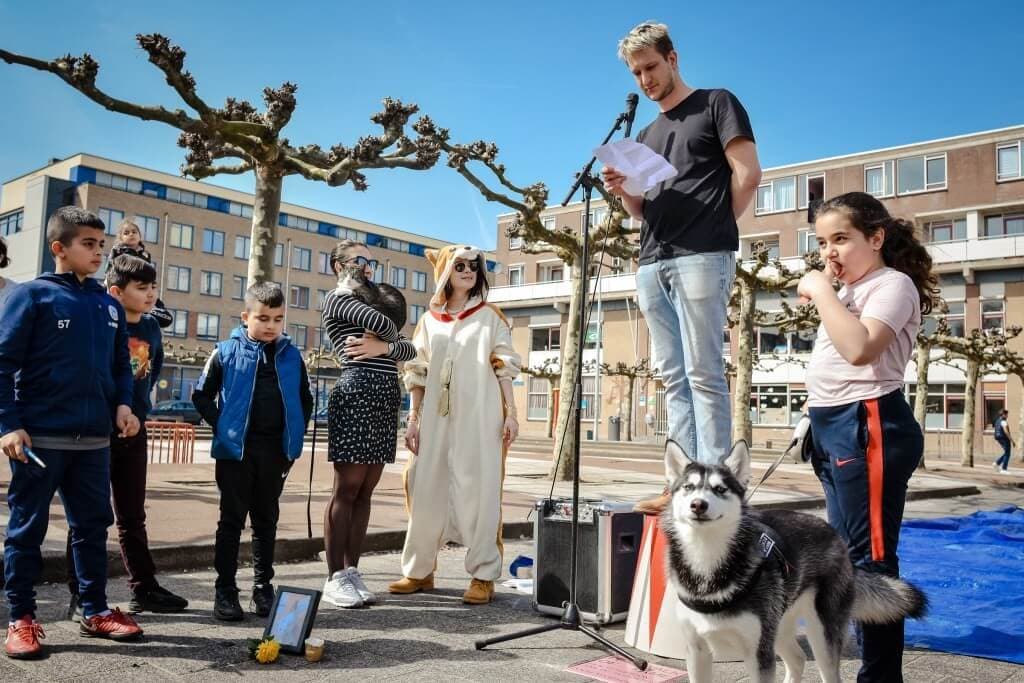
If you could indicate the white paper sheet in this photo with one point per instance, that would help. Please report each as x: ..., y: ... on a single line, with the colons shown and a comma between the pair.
x: 643, y: 167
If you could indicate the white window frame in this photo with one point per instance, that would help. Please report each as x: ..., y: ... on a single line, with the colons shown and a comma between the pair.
x: 930, y: 226
x: 810, y: 237
x: 807, y: 177
x: 416, y: 311
x: 180, y: 230
x: 399, y: 277
x: 236, y: 293
x: 324, y: 263
x: 770, y: 184
x: 747, y: 243
x: 515, y: 243
x: 149, y: 228
x: 109, y: 223
x: 178, y: 328
x: 928, y: 187
x: 174, y: 284
x: 518, y: 268
x: 888, y: 168
x: 984, y: 315
x: 247, y: 242
x: 293, y: 329
x: 203, y: 330
x: 545, y: 394
x: 295, y: 297
x: 1016, y: 144
x: 548, y: 264
x: 302, y: 258
x: 419, y: 281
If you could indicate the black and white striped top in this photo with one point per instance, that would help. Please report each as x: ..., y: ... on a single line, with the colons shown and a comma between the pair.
x: 346, y: 316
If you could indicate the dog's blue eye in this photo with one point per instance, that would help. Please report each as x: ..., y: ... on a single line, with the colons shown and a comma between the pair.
x: 720, y: 489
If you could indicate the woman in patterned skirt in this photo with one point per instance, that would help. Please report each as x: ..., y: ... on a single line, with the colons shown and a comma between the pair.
x: 362, y: 414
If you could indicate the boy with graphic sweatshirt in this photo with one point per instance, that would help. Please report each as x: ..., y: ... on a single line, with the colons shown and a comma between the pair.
x: 65, y: 385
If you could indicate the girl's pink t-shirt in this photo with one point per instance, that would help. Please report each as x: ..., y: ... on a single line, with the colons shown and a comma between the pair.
x: 887, y: 295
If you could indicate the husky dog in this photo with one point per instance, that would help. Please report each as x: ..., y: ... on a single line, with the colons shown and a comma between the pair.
x: 382, y: 297
x: 745, y: 578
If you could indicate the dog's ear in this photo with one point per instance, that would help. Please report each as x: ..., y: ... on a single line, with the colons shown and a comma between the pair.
x: 676, y: 460
x: 738, y: 462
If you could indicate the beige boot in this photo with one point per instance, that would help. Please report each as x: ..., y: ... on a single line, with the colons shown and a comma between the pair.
x: 479, y: 592
x: 405, y: 585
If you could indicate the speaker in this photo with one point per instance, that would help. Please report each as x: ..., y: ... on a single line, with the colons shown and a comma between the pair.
x: 609, y: 544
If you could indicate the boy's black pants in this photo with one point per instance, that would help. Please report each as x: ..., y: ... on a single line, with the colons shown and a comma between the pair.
x: 251, y: 486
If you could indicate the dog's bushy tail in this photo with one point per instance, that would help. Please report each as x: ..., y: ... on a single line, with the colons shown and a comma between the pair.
x: 882, y: 599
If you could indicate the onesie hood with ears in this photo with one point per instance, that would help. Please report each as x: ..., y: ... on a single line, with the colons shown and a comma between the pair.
x: 443, y: 261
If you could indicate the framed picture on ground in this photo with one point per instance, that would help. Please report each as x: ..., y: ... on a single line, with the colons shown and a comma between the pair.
x: 291, y: 619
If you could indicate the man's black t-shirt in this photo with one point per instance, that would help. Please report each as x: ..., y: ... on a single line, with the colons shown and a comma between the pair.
x: 692, y: 212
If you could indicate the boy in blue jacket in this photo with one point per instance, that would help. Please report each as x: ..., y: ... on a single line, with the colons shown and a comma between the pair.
x: 254, y: 392
x: 65, y: 385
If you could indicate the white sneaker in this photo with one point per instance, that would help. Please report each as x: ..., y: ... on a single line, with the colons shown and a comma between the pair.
x: 339, y: 591
x: 995, y: 466
x: 357, y: 580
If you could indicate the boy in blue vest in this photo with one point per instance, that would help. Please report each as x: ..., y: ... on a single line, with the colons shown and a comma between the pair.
x: 65, y: 386
x: 254, y: 393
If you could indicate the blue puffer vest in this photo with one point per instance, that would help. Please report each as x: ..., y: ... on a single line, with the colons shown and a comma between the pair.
x: 239, y: 358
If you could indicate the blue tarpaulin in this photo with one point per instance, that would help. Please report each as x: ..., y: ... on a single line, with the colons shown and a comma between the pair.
x: 972, y: 570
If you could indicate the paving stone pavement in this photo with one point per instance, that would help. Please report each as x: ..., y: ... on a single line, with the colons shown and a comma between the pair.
x: 423, y: 637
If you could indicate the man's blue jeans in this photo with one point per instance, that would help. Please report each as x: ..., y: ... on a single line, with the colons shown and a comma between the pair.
x: 684, y: 302
x: 1004, y: 460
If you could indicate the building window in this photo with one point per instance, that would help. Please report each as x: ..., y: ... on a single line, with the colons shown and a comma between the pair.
x: 993, y: 314
x: 118, y: 182
x: 149, y: 227
x: 807, y: 242
x: 181, y: 235
x: 187, y: 198
x: 920, y: 173
x: 537, y: 399
x: 550, y: 272
x: 398, y: 277
x: 946, y: 231
x: 769, y: 405
x: 726, y: 342
x: 589, y: 397
x: 302, y: 259
x: 321, y: 295
x: 213, y: 241
x: 235, y: 322
x: 878, y: 179
x: 242, y: 247
x: 810, y: 188
x: 419, y: 281
x: 210, y: 283
x: 545, y: 339
x: 995, y: 403
x: 802, y: 341
x: 207, y: 325
x: 1004, y: 225
x: 238, y: 287
x: 515, y: 242
x: 111, y: 219
x: 298, y: 335
x: 1008, y: 161
x: 945, y: 408
x: 415, y: 313
x: 299, y: 297
x: 11, y: 223
x: 279, y: 254
x: 770, y: 243
x: 515, y: 276
x: 771, y: 340
x: 178, y: 328
x: 378, y: 273
x: 776, y: 195
x: 323, y: 263
x: 178, y: 278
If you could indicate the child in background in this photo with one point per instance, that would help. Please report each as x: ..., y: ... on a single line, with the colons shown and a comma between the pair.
x: 63, y: 397
x: 866, y: 441
x: 254, y: 393
x: 129, y: 241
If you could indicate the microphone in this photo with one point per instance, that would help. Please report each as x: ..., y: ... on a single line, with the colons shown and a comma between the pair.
x: 631, y: 101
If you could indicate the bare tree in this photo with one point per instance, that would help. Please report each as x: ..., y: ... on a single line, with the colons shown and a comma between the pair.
x: 630, y: 373
x: 984, y: 351
x: 760, y: 274
x: 477, y: 161
x: 551, y: 371
x: 926, y: 342
x: 252, y: 140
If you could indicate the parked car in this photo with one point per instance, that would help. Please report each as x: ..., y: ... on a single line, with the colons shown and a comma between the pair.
x: 175, y: 411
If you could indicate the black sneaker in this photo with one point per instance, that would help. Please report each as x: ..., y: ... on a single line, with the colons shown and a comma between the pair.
x: 225, y: 605
x: 262, y: 599
x: 159, y: 600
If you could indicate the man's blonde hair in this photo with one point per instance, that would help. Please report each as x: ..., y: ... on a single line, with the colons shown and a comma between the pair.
x: 645, y: 35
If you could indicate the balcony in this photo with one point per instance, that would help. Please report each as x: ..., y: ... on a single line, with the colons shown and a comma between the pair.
x: 612, y: 286
x: 977, y: 250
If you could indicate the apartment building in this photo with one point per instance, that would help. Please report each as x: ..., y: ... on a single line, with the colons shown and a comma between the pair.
x: 199, y: 236
x: 966, y: 196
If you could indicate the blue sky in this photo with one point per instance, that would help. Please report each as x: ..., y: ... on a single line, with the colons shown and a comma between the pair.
x: 539, y: 78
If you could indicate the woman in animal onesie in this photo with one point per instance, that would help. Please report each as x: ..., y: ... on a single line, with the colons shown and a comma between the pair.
x: 461, y: 422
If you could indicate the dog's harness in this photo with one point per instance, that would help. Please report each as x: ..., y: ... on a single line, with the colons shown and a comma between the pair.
x: 771, y: 548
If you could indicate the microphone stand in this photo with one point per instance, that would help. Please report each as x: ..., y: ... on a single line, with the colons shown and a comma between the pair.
x: 570, y: 619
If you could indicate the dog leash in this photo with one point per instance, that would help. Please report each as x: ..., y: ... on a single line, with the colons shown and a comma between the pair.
x: 312, y: 459
x: 803, y: 426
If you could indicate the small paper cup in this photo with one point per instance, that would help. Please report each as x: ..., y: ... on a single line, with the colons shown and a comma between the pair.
x: 314, y: 649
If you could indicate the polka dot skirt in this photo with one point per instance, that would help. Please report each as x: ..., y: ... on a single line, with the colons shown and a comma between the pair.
x: 362, y: 417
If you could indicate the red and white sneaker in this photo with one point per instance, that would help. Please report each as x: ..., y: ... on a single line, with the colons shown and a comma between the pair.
x: 23, y: 639
x: 116, y: 626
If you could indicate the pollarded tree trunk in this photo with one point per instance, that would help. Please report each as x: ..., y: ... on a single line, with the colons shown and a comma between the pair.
x: 924, y: 357
x: 265, y: 211
x: 970, y: 394
x: 568, y: 400
x: 630, y: 381
x: 551, y: 408
x: 741, y: 428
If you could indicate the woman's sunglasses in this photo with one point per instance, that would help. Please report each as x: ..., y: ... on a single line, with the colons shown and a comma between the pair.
x: 362, y: 261
x: 460, y: 266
